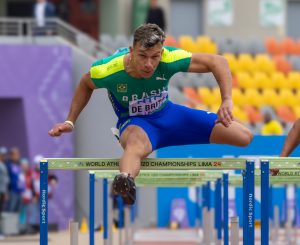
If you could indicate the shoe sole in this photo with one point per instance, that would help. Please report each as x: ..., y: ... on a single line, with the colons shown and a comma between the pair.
x: 121, y: 187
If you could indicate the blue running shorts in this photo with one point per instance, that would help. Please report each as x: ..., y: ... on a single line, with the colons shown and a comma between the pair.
x: 174, y: 125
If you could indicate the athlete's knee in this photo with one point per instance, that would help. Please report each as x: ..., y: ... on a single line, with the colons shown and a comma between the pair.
x: 245, y: 136
x: 135, y: 144
x: 133, y: 141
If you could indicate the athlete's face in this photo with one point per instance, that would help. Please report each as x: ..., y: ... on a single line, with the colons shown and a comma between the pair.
x: 146, y: 60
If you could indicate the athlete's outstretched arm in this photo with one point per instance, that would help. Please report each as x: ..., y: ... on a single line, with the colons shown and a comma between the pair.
x: 292, y: 140
x: 218, y: 65
x: 81, y: 97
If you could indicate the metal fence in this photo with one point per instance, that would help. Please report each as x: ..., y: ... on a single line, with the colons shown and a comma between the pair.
x: 27, y: 27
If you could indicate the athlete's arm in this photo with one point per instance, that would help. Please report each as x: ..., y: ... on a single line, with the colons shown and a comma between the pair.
x: 292, y: 140
x: 81, y: 97
x: 218, y: 65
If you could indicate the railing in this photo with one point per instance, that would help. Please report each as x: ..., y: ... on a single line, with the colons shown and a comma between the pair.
x: 53, y: 27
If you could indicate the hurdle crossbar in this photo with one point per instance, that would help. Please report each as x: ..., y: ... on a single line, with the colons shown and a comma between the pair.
x: 149, y: 164
x: 288, y: 173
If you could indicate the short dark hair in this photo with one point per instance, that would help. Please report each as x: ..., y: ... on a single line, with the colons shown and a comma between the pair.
x: 148, y: 35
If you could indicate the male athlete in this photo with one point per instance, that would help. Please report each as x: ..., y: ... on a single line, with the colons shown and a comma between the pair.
x: 292, y: 140
x: 137, y: 82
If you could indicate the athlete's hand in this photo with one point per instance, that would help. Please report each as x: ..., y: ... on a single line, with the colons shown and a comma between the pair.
x: 225, y: 115
x: 60, y: 128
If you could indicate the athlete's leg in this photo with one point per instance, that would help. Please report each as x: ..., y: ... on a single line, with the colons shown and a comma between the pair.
x: 236, y: 134
x: 137, y: 146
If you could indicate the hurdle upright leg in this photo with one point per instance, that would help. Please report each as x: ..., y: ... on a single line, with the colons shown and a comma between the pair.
x: 296, y: 212
x: 244, y: 207
x: 132, y: 224
x: 92, y: 209
x: 250, y: 202
x: 204, y: 214
x: 105, y: 211
x: 264, y: 202
x: 110, y: 222
x: 225, y: 208
x: 218, y: 211
x: 198, y: 211
x: 209, y: 213
x: 285, y: 206
x: 271, y: 212
x: 121, y: 218
x: 43, y: 203
x: 295, y: 205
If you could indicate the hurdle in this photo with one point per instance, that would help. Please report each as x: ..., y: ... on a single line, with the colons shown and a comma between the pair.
x: 186, y: 179
x: 105, y: 176
x: 160, y: 178
x: 288, y: 173
x: 247, y: 166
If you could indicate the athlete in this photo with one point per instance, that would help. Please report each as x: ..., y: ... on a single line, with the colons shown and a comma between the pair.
x: 292, y: 140
x: 137, y: 83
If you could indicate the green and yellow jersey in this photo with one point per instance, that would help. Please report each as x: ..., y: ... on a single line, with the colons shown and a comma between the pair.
x: 138, y: 96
